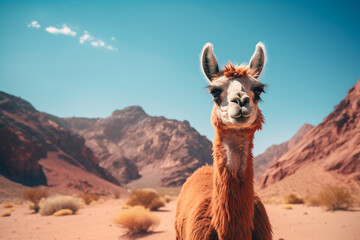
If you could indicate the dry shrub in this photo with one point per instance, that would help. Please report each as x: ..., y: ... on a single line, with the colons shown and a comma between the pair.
x: 89, y: 197
x: 147, y: 197
x: 56, y: 203
x: 287, y: 206
x: 137, y: 220
x: 34, y: 195
x: 7, y: 205
x: 63, y: 212
x: 6, y: 213
x: 336, y: 198
x: 292, y: 198
x: 313, y: 201
x: 97, y: 202
x: 117, y: 195
x: 167, y: 198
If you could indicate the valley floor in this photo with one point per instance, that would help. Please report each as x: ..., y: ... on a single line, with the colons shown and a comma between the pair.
x: 95, y: 222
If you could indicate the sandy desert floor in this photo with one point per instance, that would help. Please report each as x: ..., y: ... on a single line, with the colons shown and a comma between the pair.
x: 95, y: 222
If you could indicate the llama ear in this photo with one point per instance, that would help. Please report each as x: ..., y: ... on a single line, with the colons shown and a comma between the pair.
x: 257, y: 60
x: 208, y: 62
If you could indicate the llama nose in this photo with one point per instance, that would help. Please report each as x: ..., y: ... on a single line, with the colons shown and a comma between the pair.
x: 241, y: 100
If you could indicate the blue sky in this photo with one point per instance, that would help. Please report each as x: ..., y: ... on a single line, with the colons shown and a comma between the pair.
x: 147, y: 53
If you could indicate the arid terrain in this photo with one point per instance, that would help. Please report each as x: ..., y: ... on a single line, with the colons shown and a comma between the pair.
x: 95, y: 222
x: 328, y: 153
x: 112, y: 155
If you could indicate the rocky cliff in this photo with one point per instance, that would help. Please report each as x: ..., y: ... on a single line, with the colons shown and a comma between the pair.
x: 329, y: 152
x: 34, y: 149
x: 132, y: 145
x: 274, y: 152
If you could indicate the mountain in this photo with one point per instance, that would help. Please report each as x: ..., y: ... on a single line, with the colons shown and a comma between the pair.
x: 35, y: 150
x: 274, y: 152
x: 155, y: 150
x: 328, y: 154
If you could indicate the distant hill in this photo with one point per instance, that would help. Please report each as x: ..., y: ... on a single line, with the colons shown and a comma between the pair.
x: 274, y: 152
x: 133, y: 145
x: 35, y: 150
x: 327, y: 154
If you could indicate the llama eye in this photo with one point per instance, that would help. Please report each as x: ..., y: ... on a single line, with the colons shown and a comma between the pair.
x: 215, y: 92
x: 257, y: 91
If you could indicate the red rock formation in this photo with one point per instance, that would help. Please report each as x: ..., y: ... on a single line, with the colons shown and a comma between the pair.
x: 28, y: 136
x: 274, y: 152
x: 165, y: 151
x: 332, y: 147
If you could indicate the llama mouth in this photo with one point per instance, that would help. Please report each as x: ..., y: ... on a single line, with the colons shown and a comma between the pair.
x: 240, y: 118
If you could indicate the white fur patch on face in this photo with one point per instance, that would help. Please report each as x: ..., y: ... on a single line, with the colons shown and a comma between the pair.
x: 234, y: 88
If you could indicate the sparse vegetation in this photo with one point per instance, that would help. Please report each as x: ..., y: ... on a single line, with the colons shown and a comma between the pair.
x: 287, y: 206
x: 335, y: 198
x: 117, y: 195
x: 137, y: 220
x: 313, y: 201
x: 88, y: 198
x: 97, y: 202
x: 147, y: 197
x: 167, y: 198
x: 56, y: 203
x: 7, y: 205
x: 6, y: 213
x: 63, y: 212
x: 34, y: 195
x: 292, y: 198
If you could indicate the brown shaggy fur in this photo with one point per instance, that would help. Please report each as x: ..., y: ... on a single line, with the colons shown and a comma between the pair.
x: 232, y: 71
x: 215, y: 204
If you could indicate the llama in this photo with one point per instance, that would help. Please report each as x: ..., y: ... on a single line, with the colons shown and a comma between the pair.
x: 218, y: 202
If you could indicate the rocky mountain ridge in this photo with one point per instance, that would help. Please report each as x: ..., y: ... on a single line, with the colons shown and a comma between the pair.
x: 132, y: 145
x: 274, y: 152
x: 332, y: 149
x: 31, y: 143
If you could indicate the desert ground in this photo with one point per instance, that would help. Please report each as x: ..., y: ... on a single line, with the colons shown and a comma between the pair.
x: 95, y: 222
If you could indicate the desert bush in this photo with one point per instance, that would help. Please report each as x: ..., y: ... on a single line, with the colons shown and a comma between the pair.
x: 147, y: 197
x: 97, y: 202
x: 312, y: 201
x: 167, y: 198
x: 34, y: 195
x: 335, y: 198
x: 137, y: 220
x: 287, y: 206
x: 7, y: 205
x: 56, y: 203
x: 292, y: 198
x: 89, y: 197
x: 63, y: 212
x: 116, y: 195
x: 7, y: 212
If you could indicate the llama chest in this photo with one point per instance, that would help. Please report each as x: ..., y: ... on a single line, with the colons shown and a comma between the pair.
x: 236, y: 155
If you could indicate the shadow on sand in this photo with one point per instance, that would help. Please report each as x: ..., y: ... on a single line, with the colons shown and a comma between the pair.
x: 138, y: 235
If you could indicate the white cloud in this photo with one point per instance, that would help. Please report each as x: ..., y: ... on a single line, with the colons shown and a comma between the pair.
x: 98, y: 43
x: 34, y: 24
x: 86, y: 37
x: 101, y: 43
x: 65, y: 30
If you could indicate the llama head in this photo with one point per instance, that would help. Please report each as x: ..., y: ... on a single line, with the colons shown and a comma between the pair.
x: 236, y: 89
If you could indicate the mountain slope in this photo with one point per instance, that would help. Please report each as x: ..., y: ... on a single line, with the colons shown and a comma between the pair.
x: 274, y: 152
x: 332, y: 149
x: 31, y: 144
x: 131, y: 143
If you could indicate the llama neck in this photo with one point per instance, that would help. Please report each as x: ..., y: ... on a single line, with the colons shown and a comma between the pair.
x: 233, y: 194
